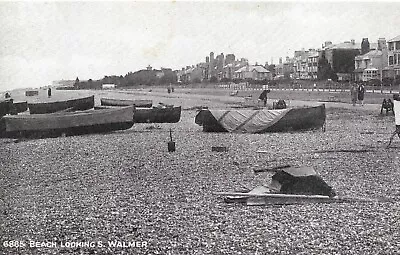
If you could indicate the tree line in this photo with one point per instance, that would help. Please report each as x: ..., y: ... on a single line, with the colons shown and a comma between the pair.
x: 141, y: 77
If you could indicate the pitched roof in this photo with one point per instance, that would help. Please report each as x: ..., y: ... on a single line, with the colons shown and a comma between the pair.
x: 372, y: 53
x: 229, y: 65
x: 396, y: 39
x: 259, y: 69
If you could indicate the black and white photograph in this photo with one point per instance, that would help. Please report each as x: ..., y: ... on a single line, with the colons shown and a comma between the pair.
x: 199, y: 127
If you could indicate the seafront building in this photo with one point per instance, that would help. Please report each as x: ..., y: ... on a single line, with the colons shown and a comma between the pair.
x: 349, y: 60
x: 393, y: 68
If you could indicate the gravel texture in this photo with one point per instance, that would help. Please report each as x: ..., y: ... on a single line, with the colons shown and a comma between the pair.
x: 126, y: 186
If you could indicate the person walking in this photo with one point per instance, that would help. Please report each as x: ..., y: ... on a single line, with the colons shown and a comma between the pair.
x: 49, y: 92
x: 264, y: 96
x: 361, y: 91
x: 353, y: 93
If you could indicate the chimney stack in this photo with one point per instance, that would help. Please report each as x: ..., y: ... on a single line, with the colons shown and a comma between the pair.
x: 382, y: 44
x: 327, y: 43
x: 364, y: 46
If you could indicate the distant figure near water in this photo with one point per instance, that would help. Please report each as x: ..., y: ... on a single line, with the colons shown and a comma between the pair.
x: 7, y: 95
x: 49, y: 92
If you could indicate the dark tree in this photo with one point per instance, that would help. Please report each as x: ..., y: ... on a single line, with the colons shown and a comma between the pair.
x: 213, y: 79
x: 196, y: 80
x: 343, y: 60
x: 271, y: 68
x: 324, y: 70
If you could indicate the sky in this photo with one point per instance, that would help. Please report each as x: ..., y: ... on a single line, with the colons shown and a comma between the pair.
x: 45, y: 41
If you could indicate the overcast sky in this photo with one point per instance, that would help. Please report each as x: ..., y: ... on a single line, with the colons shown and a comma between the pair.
x: 42, y: 42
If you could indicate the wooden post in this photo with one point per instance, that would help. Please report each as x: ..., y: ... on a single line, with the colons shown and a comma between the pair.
x: 171, y: 144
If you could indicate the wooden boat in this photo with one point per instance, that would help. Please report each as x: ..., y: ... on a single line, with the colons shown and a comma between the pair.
x: 157, y: 115
x: 262, y: 121
x: 123, y: 102
x: 21, y: 106
x: 78, y: 104
x: 66, y: 123
x: 5, y: 107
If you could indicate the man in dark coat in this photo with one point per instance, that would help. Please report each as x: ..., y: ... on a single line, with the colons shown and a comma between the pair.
x: 361, y: 91
x: 264, y: 96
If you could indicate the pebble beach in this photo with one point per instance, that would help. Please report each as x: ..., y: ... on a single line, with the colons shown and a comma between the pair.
x: 124, y: 193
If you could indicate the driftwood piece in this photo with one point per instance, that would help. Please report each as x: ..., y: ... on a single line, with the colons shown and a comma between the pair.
x: 285, y: 199
x: 343, y: 150
x: 272, y: 169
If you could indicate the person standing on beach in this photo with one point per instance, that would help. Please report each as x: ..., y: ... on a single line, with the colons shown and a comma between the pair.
x: 353, y: 93
x: 264, y: 96
x: 361, y: 91
x: 49, y: 92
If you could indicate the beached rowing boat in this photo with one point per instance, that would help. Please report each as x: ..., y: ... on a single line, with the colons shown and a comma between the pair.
x: 124, y: 102
x: 167, y: 114
x: 8, y: 106
x: 157, y: 115
x: 78, y: 104
x: 66, y: 123
x: 5, y: 107
x: 262, y: 121
x: 21, y: 106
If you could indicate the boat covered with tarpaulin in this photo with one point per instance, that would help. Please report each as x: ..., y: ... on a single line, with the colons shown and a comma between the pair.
x: 66, y: 123
x: 124, y: 102
x: 262, y: 121
x: 78, y: 104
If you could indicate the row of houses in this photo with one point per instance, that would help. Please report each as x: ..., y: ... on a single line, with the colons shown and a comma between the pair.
x: 222, y: 67
x: 348, y: 60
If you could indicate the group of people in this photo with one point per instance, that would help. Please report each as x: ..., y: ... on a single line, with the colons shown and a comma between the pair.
x: 357, y: 93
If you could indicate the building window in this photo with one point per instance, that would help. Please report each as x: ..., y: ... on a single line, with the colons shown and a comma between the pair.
x: 391, y: 46
x: 398, y: 45
x: 390, y: 60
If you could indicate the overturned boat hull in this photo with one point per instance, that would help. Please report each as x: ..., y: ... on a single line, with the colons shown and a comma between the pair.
x: 123, y: 102
x: 79, y: 104
x: 66, y: 123
x: 262, y: 121
x: 157, y: 115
